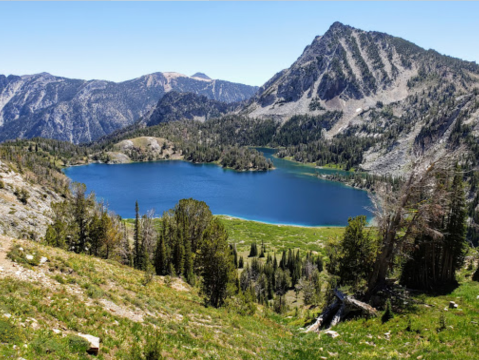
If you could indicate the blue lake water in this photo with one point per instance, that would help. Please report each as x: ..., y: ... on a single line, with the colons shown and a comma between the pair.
x: 291, y: 194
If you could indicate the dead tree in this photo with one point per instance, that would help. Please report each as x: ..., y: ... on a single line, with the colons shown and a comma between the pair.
x: 402, y: 216
x: 341, y: 307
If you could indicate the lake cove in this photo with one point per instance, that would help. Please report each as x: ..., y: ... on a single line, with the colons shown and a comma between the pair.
x: 291, y: 194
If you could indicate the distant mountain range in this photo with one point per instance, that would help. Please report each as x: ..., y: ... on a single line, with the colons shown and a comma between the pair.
x: 81, y: 111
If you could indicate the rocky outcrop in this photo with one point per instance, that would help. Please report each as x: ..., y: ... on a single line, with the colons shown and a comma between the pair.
x: 81, y: 111
x: 25, y: 207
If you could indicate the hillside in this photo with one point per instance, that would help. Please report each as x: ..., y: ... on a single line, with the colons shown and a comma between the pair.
x: 71, y: 294
x: 176, y: 106
x: 81, y: 111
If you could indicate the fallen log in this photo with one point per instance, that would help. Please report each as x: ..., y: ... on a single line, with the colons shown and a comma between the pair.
x: 340, y: 314
x: 339, y: 309
x: 323, y: 316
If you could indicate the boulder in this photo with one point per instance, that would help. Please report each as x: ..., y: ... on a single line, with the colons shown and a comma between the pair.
x: 29, y: 257
x: 94, y: 343
x: 452, y: 305
x: 43, y: 260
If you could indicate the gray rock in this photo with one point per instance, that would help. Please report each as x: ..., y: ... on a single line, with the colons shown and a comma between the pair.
x: 94, y: 343
x: 452, y: 305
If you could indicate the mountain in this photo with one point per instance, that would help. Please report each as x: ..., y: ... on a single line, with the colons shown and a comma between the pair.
x: 81, y: 111
x: 201, y: 76
x: 406, y: 100
x: 176, y: 106
x: 346, y: 69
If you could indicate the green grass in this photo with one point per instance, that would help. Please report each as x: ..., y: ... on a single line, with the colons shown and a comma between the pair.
x: 279, y: 237
x: 103, y: 298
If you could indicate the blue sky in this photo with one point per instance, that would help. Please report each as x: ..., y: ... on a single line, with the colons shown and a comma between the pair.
x: 245, y: 42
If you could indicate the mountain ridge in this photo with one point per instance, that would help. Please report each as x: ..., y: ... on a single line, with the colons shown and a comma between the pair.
x: 83, y: 110
x: 344, y: 64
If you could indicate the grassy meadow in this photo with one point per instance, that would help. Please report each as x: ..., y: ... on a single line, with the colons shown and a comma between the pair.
x: 44, y: 307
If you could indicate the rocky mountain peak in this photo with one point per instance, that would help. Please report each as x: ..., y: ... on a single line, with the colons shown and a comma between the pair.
x: 348, y: 69
x: 201, y: 75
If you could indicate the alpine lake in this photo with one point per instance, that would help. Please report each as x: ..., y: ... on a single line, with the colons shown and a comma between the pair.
x: 290, y: 194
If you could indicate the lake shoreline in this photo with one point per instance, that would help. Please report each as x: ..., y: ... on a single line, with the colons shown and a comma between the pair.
x: 230, y: 217
x: 162, y: 160
x: 294, y: 201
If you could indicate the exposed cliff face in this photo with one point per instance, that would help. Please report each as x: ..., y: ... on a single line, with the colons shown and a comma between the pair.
x: 386, y: 88
x: 25, y: 207
x: 81, y: 111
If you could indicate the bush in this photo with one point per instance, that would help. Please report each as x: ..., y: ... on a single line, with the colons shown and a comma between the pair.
x: 149, y: 274
x: 10, y: 334
x: 95, y: 292
x: 442, y: 323
x: 20, y: 256
x: 78, y: 344
x: 45, y: 344
x: 151, y: 351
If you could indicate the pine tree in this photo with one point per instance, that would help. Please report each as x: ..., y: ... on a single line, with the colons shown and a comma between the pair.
x: 241, y: 263
x: 179, y: 253
x: 388, y: 313
x: 216, y: 264
x: 455, y: 233
x: 161, y: 260
x: 434, y: 263
x: 283, y: 262
x: 235, y: 255
x: 263, y: 249
x: 357, y: 253
x: 261, y: 255
x: 189, y: 272
x: 80, y: 213
x: 253, y: 250
x: 282, y: 285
